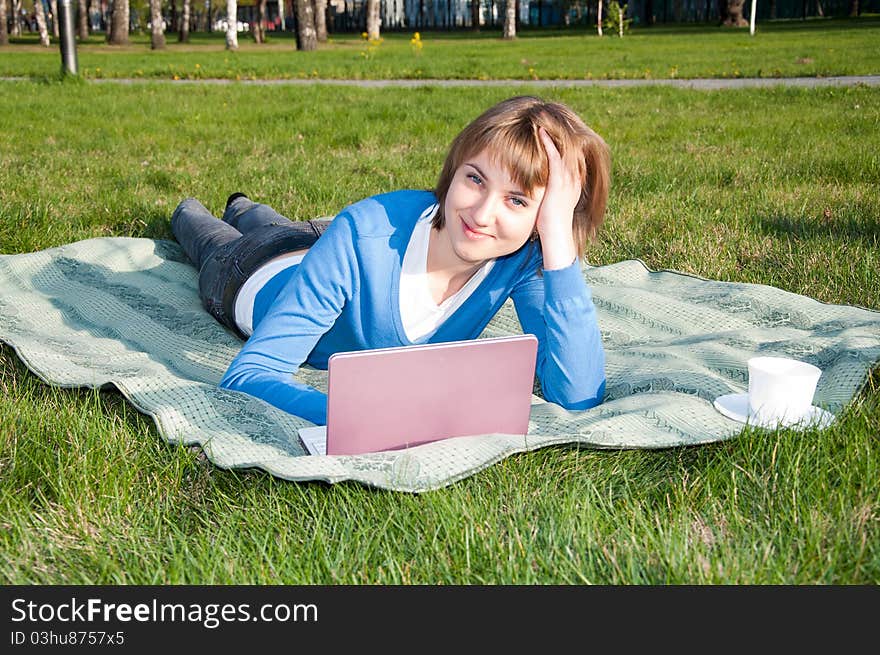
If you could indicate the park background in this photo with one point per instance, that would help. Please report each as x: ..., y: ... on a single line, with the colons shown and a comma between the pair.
x: 261, y: 18
x: 774, y: 185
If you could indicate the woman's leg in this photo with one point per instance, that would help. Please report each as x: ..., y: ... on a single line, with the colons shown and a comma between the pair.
x: 210, y: 244
x: 226, y: 257
x: 199, y: 232
x: 247, y: 216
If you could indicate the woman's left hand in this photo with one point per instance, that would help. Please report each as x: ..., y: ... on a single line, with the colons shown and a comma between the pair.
x: 556, y: 213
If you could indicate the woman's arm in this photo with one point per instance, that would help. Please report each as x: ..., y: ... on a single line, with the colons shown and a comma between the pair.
x: 558, y: 309
x: 305, y: 309
x: 556, y: 213
x: 558, y: 306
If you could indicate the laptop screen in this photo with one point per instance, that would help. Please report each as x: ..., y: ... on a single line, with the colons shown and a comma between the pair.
x: 393, y: 398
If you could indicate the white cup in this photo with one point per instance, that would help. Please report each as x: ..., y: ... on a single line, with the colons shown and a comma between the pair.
x: 781, y: 390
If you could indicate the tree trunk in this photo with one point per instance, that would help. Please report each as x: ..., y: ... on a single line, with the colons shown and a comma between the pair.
x: 373, y: 20
x: 818, y: 10
x: 599, y: 19
x: 321, y: 20
x: 259, y: 28
x: 53, y: 7
x: 183, y: 33
x: 4, y: 33
x: 119, y: 23
x: 853, y: 8
x: 157, y: 34
x: 108, y: 25
x: 475, y: 15
x: 732, y: 13
x: 173, y: 25
x: 232, y: 24
x: 82, y: 20
x: 306, y: 37
x: 41, y: 23
x: 510, y: 19
x: 16, y: 18
x: 772, y: 9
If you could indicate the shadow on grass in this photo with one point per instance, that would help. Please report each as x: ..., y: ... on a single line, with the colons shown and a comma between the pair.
x: 782, y: 25
x: 847, y: 230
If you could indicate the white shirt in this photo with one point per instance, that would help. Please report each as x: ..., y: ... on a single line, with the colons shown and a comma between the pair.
x: 244, y: 300
x: 419, y: 313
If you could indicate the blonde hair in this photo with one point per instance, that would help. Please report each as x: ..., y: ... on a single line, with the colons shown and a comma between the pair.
x: 509, y: 132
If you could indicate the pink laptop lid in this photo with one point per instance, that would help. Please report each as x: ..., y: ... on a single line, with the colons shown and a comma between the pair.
x: 399, y: 397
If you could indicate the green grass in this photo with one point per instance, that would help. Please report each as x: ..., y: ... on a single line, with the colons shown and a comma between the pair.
x: 775, y: 186
x: 824, y: 47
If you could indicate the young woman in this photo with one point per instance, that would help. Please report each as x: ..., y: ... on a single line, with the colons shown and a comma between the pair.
x: 522, y: 191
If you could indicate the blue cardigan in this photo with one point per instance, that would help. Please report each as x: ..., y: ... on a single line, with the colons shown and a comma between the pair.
x: 344, y: 296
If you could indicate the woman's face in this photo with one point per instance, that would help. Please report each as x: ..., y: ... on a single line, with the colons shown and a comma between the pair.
x: 487, y: 214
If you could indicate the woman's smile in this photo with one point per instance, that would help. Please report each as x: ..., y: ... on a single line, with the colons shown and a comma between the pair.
x: 474, y: 234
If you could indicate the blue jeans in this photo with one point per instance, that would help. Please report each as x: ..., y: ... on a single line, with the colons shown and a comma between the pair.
x: 227, y: 252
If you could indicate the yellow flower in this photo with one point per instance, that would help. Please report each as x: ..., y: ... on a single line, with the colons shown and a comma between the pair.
x: 364, y: 35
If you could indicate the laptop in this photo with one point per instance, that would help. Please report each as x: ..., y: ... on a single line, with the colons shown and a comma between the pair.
x: 392, y: 398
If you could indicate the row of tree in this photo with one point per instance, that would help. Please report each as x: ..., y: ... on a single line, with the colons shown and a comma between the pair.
x: 82, y: 23
x: 310, y: 18
x: 311, y: 21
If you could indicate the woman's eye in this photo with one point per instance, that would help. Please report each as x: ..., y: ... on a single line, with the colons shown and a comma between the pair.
x: 475, y: 178
x: 517, y: 202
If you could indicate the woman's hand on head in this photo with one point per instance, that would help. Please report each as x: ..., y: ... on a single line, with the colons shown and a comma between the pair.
x: 556, y: 213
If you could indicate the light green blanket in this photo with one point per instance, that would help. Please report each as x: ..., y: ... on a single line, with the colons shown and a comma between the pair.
x: 125, y: 311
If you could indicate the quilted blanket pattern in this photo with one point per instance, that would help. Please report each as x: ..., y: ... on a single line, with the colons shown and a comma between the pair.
x: 125, y: 311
